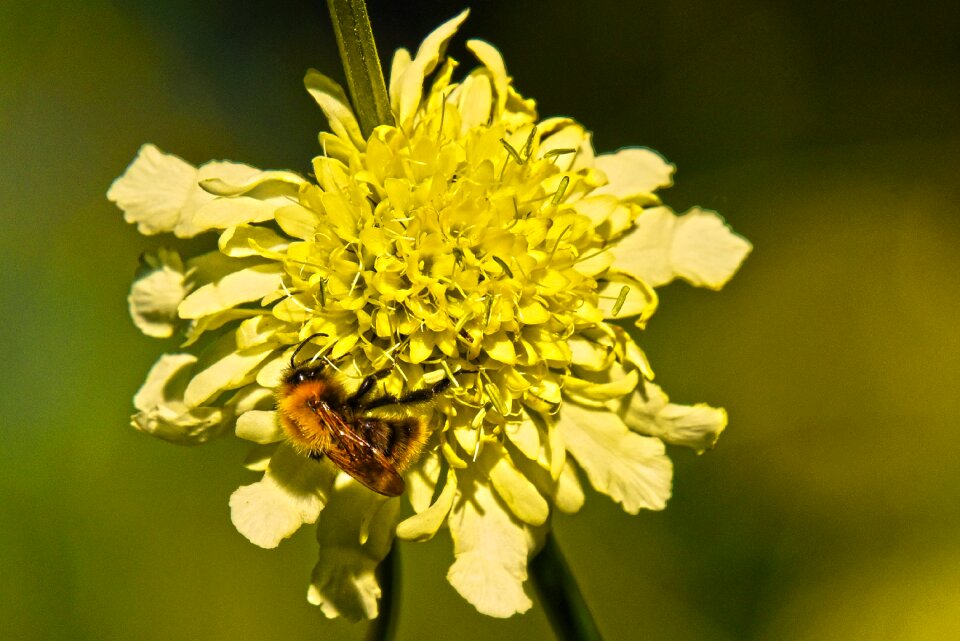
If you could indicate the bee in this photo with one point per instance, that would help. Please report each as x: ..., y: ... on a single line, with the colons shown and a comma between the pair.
x: 320, y: 418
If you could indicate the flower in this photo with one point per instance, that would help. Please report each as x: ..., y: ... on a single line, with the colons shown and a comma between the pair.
x: 472, y: 241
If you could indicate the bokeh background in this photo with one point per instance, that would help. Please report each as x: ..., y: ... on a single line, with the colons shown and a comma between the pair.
x: 827, y: 133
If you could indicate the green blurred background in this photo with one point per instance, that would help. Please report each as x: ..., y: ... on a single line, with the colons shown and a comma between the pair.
x: 827, y: 133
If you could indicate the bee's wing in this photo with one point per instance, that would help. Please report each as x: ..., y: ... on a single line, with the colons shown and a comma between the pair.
x: 364, y: 462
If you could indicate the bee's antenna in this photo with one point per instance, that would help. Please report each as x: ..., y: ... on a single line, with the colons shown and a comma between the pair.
x: 293, y: 357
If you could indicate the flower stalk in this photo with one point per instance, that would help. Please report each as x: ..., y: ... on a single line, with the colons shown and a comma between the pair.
x: 361, y: 64
x: 560, y: 596
x: 384, y: 627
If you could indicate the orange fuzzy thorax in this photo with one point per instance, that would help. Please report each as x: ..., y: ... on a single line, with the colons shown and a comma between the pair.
x: 308, y: 429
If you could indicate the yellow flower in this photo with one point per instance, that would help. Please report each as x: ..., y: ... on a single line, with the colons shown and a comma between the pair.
x: 472, y: 241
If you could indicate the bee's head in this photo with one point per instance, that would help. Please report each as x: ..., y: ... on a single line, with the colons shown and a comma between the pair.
x: 296, y: 375
x: 306, y: 371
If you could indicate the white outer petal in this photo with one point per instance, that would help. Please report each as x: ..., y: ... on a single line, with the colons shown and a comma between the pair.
x: 632, y: 469
x: 224, y: 367
x: 162, y: 410
x: 697, y: 246
x: 335, y: 105
x: 632, y: 172
x: 154, y: 190
x: 423, y: 525
x: 157, y: 292
x: 695, y: 426
x: 292, y: 492
x: 161, y: 193
x: 428, y: 55
x: 491, y: 549
x: 355, y: 534
x: 259, y: 426
x: 242, y: 286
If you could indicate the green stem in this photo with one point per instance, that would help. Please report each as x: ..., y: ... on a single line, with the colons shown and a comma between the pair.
x: 358, y: 51
x: 388, y: 575
x: 560, y: 597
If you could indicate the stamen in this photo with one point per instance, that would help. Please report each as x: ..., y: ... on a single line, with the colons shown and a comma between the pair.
x: 558, y: 195
x: 449, y: 373
x: 557, y: 244
x: 443, y: 113
x: 290, y: 296
x: 479, y: 416
x: 323, y: 292
x: 516, y: 208
x: 553, y: 153
x: 528, y: 146
x: 510, y: 150
x: 493, y: 393
x: 328, y: 362
x: 502, y: 264
x: 463, y: 321
x: 621, y: 299
x: 488, y: 312
x: 356, y: 279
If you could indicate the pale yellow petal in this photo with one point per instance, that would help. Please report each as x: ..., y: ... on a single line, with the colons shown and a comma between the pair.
x: 259, y: 426
x: 422, y: 481
x: 568, y: 496
x: 621, y: 295
x: 515, y: 489
x: 589, y: 354
x: 156, y: 190
x: 474, y: 97
x: 398, y: 66
x: 603, y: 386
x: 157, y: 292
x: 221, y: 213
x: 500, y: 347
x: 162, y: 411
x: 224, y: 367
x: 491, y: 549
x: 428, y: 55
x: 490, y: 57
x: 633, y: 172
x: 292, y: 492
x: 525, y: 436
x: 423, y: 525
x: 695, y: 426
x: 632, y: 469
x: 233, y: 289
x: 244, y: 241
x: 698, y: 247
x: 235, y: 179
x: 336, y: 106
x: 297, y: 221
x: 355, y: 533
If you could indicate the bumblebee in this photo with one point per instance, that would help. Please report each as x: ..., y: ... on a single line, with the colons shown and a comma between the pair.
x: 320, y: 418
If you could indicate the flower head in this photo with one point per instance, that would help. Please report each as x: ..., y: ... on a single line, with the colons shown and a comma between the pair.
x: 471, y: 241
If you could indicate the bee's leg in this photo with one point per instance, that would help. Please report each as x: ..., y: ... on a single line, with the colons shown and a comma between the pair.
x: 356, y: 400
x: 414, y: 397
